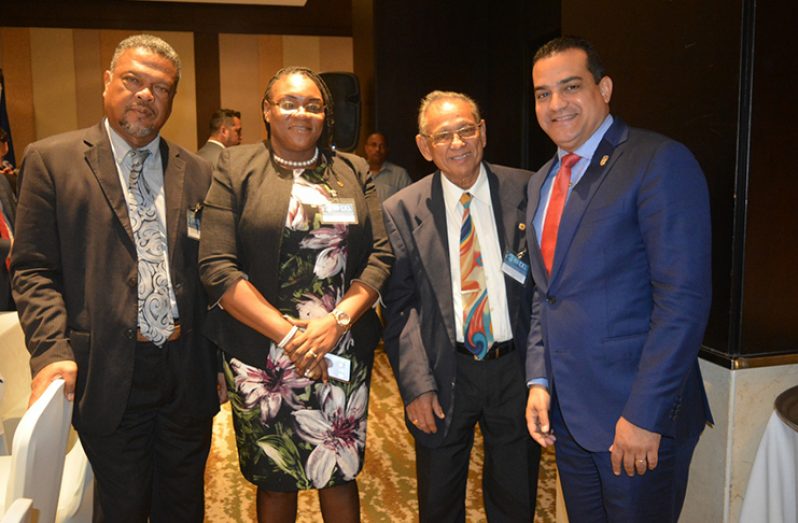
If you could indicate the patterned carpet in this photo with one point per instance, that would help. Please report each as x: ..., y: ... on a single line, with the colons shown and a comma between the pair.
x: 387, y: 483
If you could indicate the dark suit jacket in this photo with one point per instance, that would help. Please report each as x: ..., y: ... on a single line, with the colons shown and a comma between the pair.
x: 211, y: 151
x: 9, y: 201
x: 76, y: 276
x: 243, y: 222
x: 420, y: 325
x: 617, y: 326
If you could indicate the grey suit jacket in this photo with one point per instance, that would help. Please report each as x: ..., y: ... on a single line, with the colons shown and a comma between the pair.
x: 243, y: 223
x: 76, y: 272
x: 211, y: 151
x: 420, y: 325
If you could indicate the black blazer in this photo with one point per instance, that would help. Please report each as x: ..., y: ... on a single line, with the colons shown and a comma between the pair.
x: 420, y: 326
x: 9, y: 202
x: 76, y: 273
x: 242, y: 228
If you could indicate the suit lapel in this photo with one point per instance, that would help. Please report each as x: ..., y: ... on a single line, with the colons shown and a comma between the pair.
x: 432, y: 245
x: 537, y: 268
x: 583, y: 192
x: 174, y: 174
x: 100, y: 158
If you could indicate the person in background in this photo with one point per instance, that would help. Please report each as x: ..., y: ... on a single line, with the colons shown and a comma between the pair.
x: 293, y: 256
x: 619, y: 239
x: 457, y: 318
x: 106, y: 281
x: 388, y: 177
x: 8, y: 207
x: 225, y: 126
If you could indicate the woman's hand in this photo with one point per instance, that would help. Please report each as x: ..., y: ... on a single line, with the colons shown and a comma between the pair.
x: 308, y: 348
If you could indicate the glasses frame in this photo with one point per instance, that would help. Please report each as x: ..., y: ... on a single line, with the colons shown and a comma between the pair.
x: 302, y: 106
x: 439, y: 139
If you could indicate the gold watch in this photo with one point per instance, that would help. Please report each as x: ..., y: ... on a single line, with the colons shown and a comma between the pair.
x: 341, y: 318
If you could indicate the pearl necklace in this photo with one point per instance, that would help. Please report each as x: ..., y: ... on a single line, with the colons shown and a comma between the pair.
x: 292, y: 163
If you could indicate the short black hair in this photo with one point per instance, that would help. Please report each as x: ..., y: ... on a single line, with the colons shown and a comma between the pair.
x: 219, y: 116
x: 565, y: 43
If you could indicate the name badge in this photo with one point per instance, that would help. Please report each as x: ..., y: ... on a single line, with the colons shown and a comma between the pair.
x: 193, y: 222
x: 515, y: 267
x: 339, y: 211
x: 338, y: 368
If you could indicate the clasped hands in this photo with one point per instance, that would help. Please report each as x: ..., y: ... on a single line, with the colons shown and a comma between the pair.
x: 311, y: 343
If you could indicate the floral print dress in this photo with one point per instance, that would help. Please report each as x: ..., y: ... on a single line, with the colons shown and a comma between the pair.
x: 294, y: 433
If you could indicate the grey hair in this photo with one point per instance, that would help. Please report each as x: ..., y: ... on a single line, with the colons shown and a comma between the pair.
x: 151, y: 43
x: 436, y: 96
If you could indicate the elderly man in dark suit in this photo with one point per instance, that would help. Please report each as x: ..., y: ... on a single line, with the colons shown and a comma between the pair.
x: 109, y: 296
x: 456, y: 320
x: 620, y: 253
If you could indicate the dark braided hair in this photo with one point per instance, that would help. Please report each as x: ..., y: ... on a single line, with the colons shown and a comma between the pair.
x: 326, y: 140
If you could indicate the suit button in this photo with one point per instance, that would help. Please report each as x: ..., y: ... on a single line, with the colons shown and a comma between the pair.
x: 132, y: 282
x: 178, y: 285
x: 551, y: 300
x: 131, y: 334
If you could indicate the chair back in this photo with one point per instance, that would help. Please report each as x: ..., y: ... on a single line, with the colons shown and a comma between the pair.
x: 38, y: 451
x: 18, y: 512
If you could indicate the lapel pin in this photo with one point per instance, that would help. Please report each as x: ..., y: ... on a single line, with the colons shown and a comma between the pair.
x: 604, y: 159
x: 522, y: 226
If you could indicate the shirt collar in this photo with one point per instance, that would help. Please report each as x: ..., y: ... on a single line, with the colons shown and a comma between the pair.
x: 480, y: 190
x: 588, y: 149
x: 120, y: 147
x: 217, y: 142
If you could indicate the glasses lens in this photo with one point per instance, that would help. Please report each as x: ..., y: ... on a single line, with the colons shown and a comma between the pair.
x: 468, y: 132
x: 291, y: 106
x: 446, y: 137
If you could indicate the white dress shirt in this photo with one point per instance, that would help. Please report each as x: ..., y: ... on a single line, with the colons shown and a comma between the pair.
x: 486, y: 230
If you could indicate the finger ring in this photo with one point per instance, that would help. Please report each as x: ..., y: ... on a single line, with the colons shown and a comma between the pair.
x: 307, y: 373
x: 312, y: 354
x: 640, y: 461
x: 414, y: 421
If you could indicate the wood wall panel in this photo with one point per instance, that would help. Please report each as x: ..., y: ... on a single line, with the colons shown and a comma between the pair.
x: 241, y: 84
x: 54, y: 88
x: 89, y: 70
x: 15, y: 60
x: 302, y: 50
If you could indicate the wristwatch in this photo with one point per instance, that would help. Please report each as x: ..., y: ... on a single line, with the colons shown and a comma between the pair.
x: 341, y: 318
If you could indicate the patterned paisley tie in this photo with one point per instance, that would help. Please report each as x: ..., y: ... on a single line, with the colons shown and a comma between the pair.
x: 477, y: 330
x: 155, y: 309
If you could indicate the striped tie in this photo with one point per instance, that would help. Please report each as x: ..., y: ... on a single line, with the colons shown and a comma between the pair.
x: 477, y: 331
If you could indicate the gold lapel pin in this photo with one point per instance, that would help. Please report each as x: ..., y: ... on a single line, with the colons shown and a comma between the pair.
x: 604, y: 159
x: 522, y: 226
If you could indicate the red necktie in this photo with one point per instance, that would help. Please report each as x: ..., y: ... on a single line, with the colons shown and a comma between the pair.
x: 5, y: 233
x: 559, y: 193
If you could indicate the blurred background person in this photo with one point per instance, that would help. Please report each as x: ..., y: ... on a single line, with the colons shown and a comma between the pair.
x: 388, y: 177
x: 282, y: 309
x: 225, y: 127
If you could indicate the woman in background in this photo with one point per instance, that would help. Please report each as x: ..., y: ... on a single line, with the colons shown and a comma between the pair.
x: 293, y: 255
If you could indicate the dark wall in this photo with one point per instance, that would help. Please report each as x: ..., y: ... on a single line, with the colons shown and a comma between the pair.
x: 421, y: 46
x: 770, y: 290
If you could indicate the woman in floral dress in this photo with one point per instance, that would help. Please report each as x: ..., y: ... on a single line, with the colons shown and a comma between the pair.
x: 293, y: 254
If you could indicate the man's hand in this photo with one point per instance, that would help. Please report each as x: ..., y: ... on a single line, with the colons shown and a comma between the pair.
x: 221, y: 388
x: 634, y: 448
x: 66, y: 369
x: 537, y: 416
x: 420, y: 412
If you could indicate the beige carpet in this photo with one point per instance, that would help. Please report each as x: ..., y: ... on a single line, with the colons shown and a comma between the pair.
x: 387, y: 483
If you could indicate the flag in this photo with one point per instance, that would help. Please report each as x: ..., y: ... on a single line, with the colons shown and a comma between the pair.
x: 4, y: 121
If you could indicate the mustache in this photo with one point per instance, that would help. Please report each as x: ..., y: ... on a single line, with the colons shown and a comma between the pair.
x: 141, y: 106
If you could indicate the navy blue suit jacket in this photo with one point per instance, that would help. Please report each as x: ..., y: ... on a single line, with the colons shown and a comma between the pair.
x: 617, y: 326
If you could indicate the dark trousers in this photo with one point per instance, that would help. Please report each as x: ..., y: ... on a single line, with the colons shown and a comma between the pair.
x: 594, y: 494
x: 152, y: 465
x: 493, y: 395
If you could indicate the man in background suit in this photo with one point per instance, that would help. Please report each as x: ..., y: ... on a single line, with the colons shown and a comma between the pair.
x: 620, y: 254
x: 456, y: 344
x: 225, y: 128
x: 388, y: 177
x: 109, y: 296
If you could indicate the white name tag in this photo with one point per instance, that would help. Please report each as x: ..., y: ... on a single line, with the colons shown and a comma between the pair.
x: 338, y: 368
x: 341, y: 210
x: 193, y: 222
x: 515, y: 267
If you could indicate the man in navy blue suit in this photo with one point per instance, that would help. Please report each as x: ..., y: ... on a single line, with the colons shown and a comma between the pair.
x: 619, y: 241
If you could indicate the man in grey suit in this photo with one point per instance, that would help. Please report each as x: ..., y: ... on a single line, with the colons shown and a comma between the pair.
x: 456, y: 317
x: 106, y: 282
x: 225, y: 127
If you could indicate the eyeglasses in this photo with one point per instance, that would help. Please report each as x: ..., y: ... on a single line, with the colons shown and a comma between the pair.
x: 291, y: 106
x: 446, y: 137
